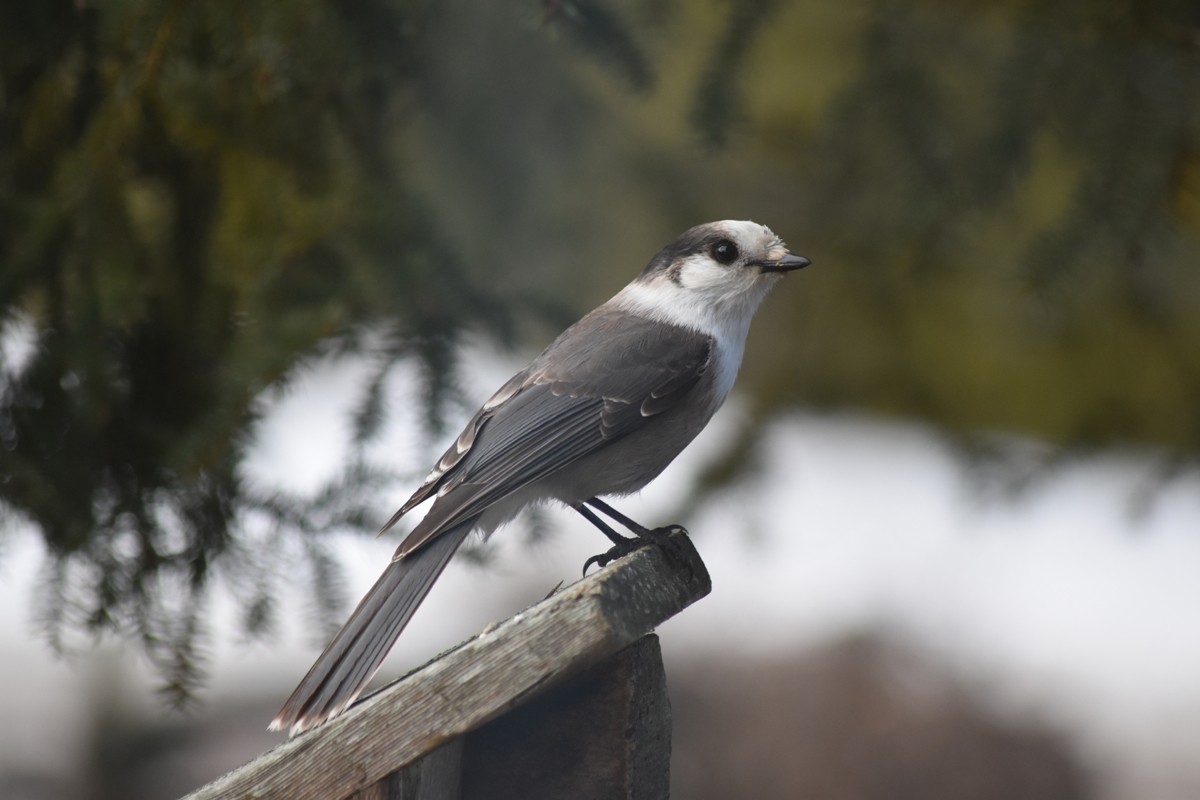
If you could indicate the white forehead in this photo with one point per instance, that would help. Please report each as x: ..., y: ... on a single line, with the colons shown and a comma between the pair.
x: 747, y: 235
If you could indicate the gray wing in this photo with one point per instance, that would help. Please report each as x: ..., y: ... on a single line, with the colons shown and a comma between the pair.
x: 606, y: 376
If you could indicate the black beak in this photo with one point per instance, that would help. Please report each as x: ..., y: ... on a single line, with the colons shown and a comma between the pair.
x: 785, y: 264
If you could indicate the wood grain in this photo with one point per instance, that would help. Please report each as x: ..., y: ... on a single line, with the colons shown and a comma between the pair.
x: 475, y: 682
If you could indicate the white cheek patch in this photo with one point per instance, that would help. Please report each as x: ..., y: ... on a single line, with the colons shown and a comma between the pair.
x: 701, y: 272
x: 719, y: 284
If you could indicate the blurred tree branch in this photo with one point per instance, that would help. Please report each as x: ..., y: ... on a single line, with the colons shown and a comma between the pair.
x: 1009, y: 193
x: 197, y: 200
x: 193, y: 198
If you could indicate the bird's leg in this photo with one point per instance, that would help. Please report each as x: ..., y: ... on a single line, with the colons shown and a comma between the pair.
x: 604, y: 527
x: 621, y: 545
x: 653, y: 534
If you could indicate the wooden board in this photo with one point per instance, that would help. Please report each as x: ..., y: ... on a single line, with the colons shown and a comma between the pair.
x: 477, y: 681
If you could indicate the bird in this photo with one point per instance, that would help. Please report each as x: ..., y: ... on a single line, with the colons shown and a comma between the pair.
x: 601, y: 412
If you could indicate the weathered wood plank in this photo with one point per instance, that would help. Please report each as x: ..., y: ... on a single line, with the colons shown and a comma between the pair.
x: 435, y: 776
x: 475, y: 682
x: 605, y: 733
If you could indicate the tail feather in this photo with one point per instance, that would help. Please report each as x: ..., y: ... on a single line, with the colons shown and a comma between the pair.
x: 359, y: 648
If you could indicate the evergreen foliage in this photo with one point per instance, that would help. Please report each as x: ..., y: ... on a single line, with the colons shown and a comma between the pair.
x: 1002, y: 201
x: 195, y: 199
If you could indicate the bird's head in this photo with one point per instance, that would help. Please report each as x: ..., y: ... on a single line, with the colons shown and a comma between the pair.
x: 713, y: 274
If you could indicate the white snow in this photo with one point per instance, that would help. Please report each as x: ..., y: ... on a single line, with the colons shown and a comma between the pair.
x: 1059, y: 601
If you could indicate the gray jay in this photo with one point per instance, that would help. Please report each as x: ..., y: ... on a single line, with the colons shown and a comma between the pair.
x: 601, y: 411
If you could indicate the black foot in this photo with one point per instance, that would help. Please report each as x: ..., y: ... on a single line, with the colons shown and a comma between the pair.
x: 657, y: 537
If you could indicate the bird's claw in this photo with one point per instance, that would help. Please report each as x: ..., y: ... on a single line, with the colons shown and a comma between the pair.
x: 662, y: 538
x: 600, y: 560
x: 610, y: 555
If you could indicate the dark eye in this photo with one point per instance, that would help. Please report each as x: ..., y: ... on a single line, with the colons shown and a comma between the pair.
x: 725, y: 251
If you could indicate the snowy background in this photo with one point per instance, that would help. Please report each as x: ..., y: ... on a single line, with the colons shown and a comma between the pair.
x: 1071, y: 601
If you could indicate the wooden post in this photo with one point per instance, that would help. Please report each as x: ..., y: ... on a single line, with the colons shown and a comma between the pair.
x: 565, y: 699
x: 605, y: 733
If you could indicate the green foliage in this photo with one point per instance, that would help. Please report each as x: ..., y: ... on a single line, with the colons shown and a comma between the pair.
x: 194, y: 199
x: 1009, y: 193
x: 718, y: 99
x: 1002, y: 201
x: 595, y: 30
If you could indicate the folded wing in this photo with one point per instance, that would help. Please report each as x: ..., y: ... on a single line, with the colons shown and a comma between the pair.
x: 604, y: 378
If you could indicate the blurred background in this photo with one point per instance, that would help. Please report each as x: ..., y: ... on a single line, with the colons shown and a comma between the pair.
x: 259, y: 259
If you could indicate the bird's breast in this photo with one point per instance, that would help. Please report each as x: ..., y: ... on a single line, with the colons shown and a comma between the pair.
x: 726, y: 361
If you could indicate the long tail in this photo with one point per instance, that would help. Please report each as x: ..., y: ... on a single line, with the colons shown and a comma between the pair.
x: 351, y: 659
